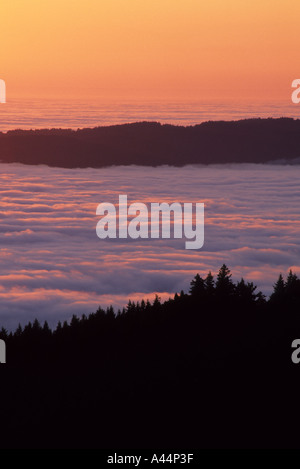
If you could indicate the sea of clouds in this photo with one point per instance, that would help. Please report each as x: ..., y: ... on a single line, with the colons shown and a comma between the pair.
x: 53, y: 265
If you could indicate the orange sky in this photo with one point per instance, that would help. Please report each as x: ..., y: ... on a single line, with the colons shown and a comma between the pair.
x: 150, y: 48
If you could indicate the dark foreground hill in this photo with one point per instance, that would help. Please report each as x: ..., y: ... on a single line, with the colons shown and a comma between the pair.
x: 208, y: 369
x: 152, y: 144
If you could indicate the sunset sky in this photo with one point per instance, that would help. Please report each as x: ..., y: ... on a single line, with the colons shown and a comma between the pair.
x: 190, y: 54
x: 150, y: 49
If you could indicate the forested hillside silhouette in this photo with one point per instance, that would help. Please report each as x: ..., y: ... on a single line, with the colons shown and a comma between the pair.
x: 208, y: 368
x: 153, y: 144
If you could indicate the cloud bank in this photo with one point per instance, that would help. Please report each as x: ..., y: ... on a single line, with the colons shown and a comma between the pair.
x: 53, y: 265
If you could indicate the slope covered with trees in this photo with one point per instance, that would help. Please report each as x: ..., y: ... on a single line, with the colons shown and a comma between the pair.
x: 153, y: 144
x: 208, y: 368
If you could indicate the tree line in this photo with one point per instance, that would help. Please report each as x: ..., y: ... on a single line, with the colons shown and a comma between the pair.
x: 204, y: 292
x: 207, y: 368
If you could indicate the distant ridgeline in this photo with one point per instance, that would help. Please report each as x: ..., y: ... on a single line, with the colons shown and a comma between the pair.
x: 153, y: 144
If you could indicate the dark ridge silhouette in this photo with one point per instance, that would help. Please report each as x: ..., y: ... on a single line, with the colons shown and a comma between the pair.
x: 152, y: 144
x: 208, y: 369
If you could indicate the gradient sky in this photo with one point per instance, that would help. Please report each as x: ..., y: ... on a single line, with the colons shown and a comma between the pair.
x: 150, y: 48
